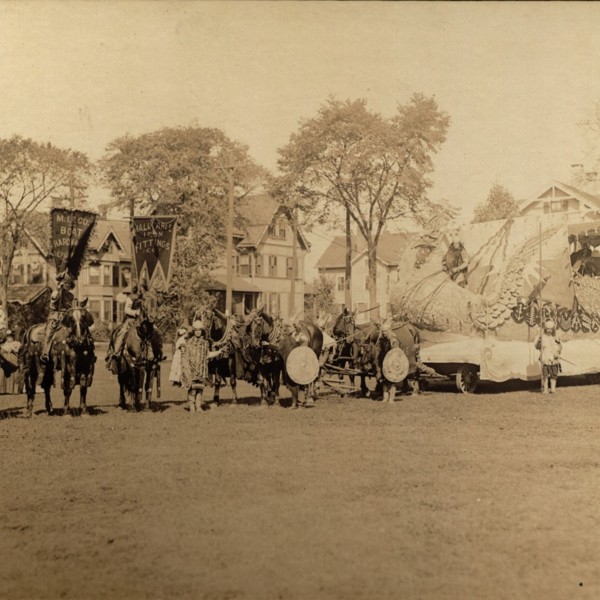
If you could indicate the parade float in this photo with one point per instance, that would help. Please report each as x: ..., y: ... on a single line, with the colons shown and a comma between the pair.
x: 480, y: 293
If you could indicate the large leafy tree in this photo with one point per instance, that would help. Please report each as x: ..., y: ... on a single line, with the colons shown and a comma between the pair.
x: 186, y: 172
x: 374, y: 167
x: 500, y: 204
x: 32, y: 176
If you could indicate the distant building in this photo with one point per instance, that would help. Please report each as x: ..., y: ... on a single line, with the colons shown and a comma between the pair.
x: 557, y: 197
x: 332, y: 264
x: 106, y: 272
x: 263, y: 252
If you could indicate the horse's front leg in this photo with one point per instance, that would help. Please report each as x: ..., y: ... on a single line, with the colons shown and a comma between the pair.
x: 29, y: 378
x: 233, y: 379
x: 217, y: 391
x: 149, y: 384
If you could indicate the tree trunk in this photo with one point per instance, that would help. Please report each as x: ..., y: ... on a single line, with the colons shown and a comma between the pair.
x: 348, y: 275
x: 372, y: 278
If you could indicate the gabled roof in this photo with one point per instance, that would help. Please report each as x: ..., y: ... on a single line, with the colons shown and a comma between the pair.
x: 120, y: 229
x: 256, y: 214
x: 390, y: 249
x: 570, y: 190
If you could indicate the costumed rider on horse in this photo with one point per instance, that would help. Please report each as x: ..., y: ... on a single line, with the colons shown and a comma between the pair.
x: 134, y: 311
x: 61, y: 301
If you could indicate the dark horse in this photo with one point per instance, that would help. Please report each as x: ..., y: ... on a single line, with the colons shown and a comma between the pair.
x: 72, y: 354
x: 355, y: 348
x: 224, y: 337
x: 285, y: 344
x: 262, y: 359
x: 357, y: 342
x: 139, y: 364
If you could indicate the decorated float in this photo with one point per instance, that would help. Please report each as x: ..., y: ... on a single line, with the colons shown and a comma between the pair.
x: 479, y: 294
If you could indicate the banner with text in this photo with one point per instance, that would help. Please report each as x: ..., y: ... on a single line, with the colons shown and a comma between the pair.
x: 70, y: 233
x: 154, y: 248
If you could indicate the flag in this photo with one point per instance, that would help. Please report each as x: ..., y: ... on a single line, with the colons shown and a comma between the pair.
x: 154, y: 250
x: 70, y: 233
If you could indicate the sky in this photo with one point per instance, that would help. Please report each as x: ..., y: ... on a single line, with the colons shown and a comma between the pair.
x: 515, y: 78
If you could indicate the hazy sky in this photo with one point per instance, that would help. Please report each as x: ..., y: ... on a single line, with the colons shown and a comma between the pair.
x: 516, y: 78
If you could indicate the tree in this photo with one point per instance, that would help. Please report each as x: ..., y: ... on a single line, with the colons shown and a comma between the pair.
x: 500, y: 204
x: 323, y: 300
x: 185, y: 172
x: 31, y: 175
x: 375, y: 168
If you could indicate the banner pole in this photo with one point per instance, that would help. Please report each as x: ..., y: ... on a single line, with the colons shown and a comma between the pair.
x: 133, y: 264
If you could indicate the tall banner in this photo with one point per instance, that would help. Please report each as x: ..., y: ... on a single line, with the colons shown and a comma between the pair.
x: 70, y: 233
x: 154, y: 249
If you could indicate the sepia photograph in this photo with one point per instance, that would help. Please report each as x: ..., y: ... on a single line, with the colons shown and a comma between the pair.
x: 299, y: 300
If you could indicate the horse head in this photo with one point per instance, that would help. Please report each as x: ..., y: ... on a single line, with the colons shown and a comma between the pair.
x: 78, y: 322
x: 345, y: 325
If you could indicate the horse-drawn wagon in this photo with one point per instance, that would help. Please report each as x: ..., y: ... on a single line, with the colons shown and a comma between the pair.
x: 480, y: 294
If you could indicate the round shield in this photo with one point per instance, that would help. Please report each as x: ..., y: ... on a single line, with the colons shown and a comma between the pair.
x: 395, y: 366
x: 302, y: 365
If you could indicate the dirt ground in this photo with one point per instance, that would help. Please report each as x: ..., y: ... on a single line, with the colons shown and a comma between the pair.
x: 494, y: 495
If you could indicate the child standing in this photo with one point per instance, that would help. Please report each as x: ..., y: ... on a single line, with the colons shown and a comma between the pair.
x: 175, y: 372
x: 550, y: 348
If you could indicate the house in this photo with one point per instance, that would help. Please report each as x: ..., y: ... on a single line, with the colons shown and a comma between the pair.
x: 557, y: 197
x: 332, y: 264
x: 263, y: 254
x: 105, y: 274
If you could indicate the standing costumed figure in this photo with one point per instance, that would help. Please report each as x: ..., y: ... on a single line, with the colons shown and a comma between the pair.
x: 195, y: 354
x: 175, y: 372
x: 550, y: 348
x: 385, y: 342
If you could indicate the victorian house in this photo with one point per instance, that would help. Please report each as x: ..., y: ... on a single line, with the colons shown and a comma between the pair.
x: 263, y: 260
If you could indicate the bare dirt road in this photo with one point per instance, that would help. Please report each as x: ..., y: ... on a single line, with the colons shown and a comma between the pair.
x: 495, y: 495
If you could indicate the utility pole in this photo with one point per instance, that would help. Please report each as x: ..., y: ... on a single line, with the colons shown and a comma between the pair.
x: 294, y: 213
x: 133, y: 265
x: 348, y: 274
x: 229, y: 248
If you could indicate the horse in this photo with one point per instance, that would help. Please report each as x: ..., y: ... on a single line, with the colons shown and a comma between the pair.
x: 285, y: 344
x: 136, y: 369
x: 72, y: 354
x: 221, y: 332
x: 355, y: 348
x: 263, y: 361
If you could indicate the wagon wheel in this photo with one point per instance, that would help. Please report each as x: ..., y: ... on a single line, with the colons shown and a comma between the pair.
x: 467, y: 379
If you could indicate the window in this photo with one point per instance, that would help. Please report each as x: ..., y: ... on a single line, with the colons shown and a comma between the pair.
x: 258, y: 265
x: 125, y: 276
x: 546, y: 208
x: 35, y: 273
x: 272, y: 266
x: 273, y: 303
x: 272, y: 232
x: 559, y: 206
x: 118, y: 311
x: 106, y: 275
x: 282, y: 230
x: 242, y: 264
x: 289, y: 263
x: 94, y: 275
x: 340, y: 283
x: 94, y: 308
x: 115, y: 275
x: 107, y: 314
x: 17, y: 274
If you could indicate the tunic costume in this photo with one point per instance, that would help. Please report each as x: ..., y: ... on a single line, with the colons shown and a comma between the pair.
x: 382, y: 346
x: 61, y: 300
x: 550, y: 348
